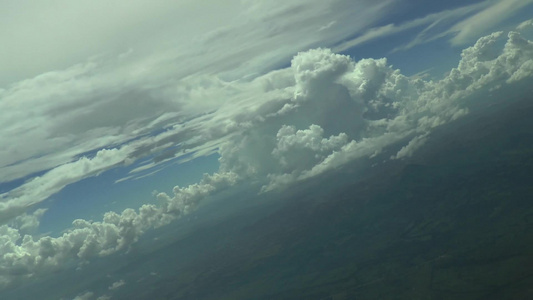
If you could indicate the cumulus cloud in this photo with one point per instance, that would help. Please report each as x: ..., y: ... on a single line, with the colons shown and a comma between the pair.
x: 322, y: 112
x: 297, y: 149
x: 207, y: 91
x: 356, y: 109
x: 25, y: 256
x: 137, y: 102
x: 52, y: 121
x: 28, y: 223
x: 76, y: 107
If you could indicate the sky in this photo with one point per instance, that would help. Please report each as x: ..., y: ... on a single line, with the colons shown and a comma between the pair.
x: 119, y: 117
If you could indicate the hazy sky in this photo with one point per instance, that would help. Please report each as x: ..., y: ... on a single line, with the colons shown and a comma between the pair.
x: 124, y: 115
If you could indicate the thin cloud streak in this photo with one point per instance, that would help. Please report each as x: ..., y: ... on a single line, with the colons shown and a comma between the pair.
x: 391, y: 29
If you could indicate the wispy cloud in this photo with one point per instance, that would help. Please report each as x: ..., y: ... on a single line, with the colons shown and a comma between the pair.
x: 483, y: 21
x: 429, y: 21
x: 461, y: 25
x: 525, y: 24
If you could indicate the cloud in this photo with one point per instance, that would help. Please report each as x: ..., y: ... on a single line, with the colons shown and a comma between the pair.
x: 469, y: 29
x: 75, y: 112
x: 462, y: 25
x: 25, y: 256
x: 296, y: 149
x: 482, y: 65
x: 525, y: 24
x: 433, y: 19
x: 41, y: 187
x: 84, y: 296
x: 117, y: 284
x: 51, y: 120
x: 90, y: 296
x: 409, y: 149
x: 28, y: 223
x: 75, y: 108
x: 382, y: 107
x: 319, y: 114
x: 146, y: 93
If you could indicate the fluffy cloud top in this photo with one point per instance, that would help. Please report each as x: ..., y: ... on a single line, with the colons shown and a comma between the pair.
x: 25, y: 255
x: 28, y: 223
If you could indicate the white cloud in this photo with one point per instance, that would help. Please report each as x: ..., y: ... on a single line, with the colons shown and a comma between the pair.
x: 524, y: 25
x: 431, y: 21
x: 26, y: 256
x: 462, y: 25
x: 472, y: 27
x: 382, y: 107
x: 117, y: 284
x: 75, y: 109
x: 41, y: 187
x: 113, y: 102
x: 297, y: 149
x: 363, y: 107
x: 138, y: 24
x: 287, y: 125
x: 409, y: 149
x: 28, y: 223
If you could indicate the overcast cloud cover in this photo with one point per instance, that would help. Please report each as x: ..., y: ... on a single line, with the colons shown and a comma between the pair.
x: 147, y: 85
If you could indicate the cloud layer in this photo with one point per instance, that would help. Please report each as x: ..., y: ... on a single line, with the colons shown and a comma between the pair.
x: 322, y: 112
x: 146, y: 106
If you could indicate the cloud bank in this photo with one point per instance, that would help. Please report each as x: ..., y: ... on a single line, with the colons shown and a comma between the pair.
x: 322, y: 112
x: 145, y: 107
x: 145, y: 92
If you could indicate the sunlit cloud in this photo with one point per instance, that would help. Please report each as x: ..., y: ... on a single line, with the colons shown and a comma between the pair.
x: 254, y: 82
